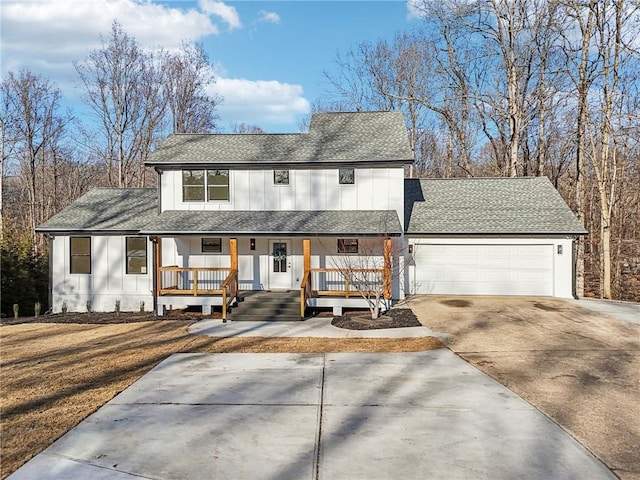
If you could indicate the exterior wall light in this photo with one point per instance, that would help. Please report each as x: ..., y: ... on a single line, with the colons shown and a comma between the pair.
x: 252, y: 244
x: 559, y: 249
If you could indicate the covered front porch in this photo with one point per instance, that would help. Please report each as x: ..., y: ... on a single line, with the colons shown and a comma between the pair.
x: 184, y: 275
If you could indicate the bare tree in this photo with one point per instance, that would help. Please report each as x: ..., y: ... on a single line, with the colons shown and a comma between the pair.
x: 123, y: 88
x: 187, y: 75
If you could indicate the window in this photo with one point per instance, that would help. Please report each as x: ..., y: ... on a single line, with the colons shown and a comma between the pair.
x: 211, y: 245
x: 346, y: 176
x: 193, y: 185
x: 217, y: 185
x: 347, y: 245
x: 80, y: 254
x: 196, y: 182
x: 136, y: 255
x: 281, y: 177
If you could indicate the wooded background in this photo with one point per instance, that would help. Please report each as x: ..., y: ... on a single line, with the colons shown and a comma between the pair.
x: 488, y: 88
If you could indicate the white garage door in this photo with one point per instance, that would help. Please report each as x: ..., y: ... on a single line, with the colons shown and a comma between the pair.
x: 484, y: 269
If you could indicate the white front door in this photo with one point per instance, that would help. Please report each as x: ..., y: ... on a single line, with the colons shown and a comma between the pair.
x: 279, y: 265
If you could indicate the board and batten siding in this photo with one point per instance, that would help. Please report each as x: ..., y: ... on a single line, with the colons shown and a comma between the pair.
x: 107, y: 282
x: 317, y: 189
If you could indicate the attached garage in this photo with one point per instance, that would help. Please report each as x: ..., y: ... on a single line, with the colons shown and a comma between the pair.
x: 484, y: 269
x: 489, y: 236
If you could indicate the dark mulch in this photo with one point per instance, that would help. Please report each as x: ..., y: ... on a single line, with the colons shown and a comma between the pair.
x: 105, y: 318
x: 394, y: 318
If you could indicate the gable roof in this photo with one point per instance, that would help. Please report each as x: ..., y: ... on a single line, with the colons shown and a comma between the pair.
x: 524, y: 205
x: 105, y: 210
x: 280, y: 222
x: 333, y: 138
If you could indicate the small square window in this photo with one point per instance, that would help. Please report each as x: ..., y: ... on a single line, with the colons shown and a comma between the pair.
x: 211, y: 245
x: 347, y: 245
x: 346, y: 176
x: 281, y: 177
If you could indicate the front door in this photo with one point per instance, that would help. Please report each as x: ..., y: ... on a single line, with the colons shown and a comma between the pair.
x: 280, y: 265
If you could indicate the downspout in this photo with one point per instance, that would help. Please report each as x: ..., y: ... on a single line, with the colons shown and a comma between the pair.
x: 50, y: 237
x: 154, y: 241
x: 573, y: 268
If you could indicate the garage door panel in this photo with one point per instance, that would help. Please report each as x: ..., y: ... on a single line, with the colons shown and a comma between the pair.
x: 484, y: 269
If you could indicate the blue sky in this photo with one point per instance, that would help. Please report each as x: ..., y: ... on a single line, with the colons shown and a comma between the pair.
x: 269, y: 56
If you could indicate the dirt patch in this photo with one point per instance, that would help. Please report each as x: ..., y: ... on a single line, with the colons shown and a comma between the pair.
x: 53, y: 375
x: 457, y: 303
x: 394, y: 318
x: 110, y: 318
x: 546, y: 307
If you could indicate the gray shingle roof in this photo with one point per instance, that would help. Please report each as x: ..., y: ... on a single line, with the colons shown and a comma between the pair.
x: 106, y: 209
x: 339, y: 137
x: 326, y: 222
x: 526, y: 205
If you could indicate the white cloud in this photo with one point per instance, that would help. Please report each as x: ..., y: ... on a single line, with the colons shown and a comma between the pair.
x: 225, y: 12
x: 260, y: 102
x: 269, y: 17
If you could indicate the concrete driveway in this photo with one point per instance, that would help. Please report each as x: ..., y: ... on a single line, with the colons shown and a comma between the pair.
x: 578, y: 366
x: 421, y: 415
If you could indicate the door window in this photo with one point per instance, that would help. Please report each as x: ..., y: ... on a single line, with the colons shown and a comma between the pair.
x: 279, y: 257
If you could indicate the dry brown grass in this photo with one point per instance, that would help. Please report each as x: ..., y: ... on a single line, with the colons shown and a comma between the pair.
x: 55, y: 375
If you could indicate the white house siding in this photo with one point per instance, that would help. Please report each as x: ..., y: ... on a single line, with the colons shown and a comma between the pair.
x: 107, y: 282
x: 374, y: 189
x: 492, y: 266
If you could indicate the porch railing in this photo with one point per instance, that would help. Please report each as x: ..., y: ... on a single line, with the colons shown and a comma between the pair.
x: 322, y: 282
x: 197, y: 281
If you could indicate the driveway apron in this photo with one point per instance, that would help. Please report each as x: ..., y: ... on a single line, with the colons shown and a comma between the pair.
x: 417, y: 415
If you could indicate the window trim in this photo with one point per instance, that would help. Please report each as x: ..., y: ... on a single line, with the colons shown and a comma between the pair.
x: 348, y: 245
x: 282, y: 184
x: 353, y: 176
x: 72, y: 255
x: 202, y: 244
x: 145, y: 256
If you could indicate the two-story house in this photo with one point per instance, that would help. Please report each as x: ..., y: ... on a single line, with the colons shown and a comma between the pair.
x: 328, y: 213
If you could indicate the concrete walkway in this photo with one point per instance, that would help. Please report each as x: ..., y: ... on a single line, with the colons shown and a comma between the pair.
x: 421, y: 415
x: 312, y: 327
x: 626, y: 311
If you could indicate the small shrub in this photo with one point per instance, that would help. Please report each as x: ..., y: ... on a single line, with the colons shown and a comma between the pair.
x: 88, y: 306
x: 141, y: 307
x: 64, y: 308
x: 16, y: 310
x: 36, y: 309
x: 118, y: 308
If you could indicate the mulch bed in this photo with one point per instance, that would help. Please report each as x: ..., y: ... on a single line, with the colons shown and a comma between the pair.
x: 351, y: 320
x: 394, y: 318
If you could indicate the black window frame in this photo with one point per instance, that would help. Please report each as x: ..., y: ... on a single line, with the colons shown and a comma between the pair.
x: 341, y: 172
x: 217, y: 240
x: 348, y: 245
x: 73, y: 256
x: 207, y: 188
x: 284, y: 179
x: 128, y: 256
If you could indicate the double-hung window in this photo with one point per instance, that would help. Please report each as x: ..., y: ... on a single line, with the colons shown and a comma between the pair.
x: 196, y: 182
x: 80, y: 249
x: 136, y: 255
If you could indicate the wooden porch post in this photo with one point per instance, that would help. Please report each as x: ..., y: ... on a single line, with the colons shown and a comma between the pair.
x: 233, y: 252
x: 306, y: 250
x: 387, y: 269
x: 158, y: 242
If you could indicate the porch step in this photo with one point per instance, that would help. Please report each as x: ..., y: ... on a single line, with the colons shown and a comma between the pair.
x: 267, y: 306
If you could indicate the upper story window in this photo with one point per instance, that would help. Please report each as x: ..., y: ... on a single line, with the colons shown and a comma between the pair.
x: 196, y: 182
x: 281, y: 177
x: 136, y: 255
x: 80, y: 249
x: 346, y: 176
x: 347, y: 245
